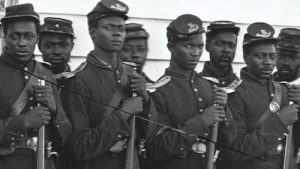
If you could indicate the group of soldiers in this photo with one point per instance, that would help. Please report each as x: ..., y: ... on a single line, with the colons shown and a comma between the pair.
x: 107, y: 114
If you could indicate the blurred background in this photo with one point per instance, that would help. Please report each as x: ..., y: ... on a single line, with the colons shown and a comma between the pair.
x: 155, y: 15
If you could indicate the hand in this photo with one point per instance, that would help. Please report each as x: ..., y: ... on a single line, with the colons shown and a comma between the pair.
x: 220, y: 96
x: 213, y: 114
x: 294, y: 93
x: 44, y: 95
x: 288, y: 114
x: 133, y: 106
x: 36, y: 117
x: 138, y: 85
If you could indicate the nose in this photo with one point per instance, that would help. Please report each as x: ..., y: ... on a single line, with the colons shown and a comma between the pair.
x: 22, y: 42
x: 196, y: 52
x: 226, y: 49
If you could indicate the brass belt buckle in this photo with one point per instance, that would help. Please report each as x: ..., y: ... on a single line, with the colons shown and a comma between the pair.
x: 199, y: 148
x: 32, y: 143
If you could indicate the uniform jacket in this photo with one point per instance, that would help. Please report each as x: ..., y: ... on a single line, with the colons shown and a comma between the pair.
x: 94, y: 133
x: 179, y: 104
x: 223, y: 81
x: 248, y: 104
x: 12, y: 130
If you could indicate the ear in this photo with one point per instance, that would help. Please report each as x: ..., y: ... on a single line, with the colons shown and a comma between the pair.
x: 206, y: 47
x: 171, y: 47
x: 92, y: 31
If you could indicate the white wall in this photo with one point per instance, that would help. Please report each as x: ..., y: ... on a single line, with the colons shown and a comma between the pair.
x: 156, y: 15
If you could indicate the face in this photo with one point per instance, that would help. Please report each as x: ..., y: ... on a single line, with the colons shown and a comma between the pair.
x: 21, y: 39
x: 187, y: 53
x: 135, y: 50
x: 288, y: 64
x: 261, y: 60
x: 109, y: 34
x: 56, y: 49
x: 222, y: 48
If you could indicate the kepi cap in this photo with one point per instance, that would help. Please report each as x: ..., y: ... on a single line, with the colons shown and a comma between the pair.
x: 259, y: 31
x: 222, y: 26
x: 57, y: 25
x: 19, y: 11
x: 106, y: 8
x: 184, y: 26
x: 135, y: 30
x: 289, y: 39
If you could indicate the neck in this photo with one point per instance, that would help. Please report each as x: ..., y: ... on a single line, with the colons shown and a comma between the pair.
x: 221, y: 70
x: 108, y: 57
x: 59, y: 69
x: 177, y: 68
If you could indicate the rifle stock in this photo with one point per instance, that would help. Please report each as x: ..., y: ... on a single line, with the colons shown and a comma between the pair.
x: 211, y: 146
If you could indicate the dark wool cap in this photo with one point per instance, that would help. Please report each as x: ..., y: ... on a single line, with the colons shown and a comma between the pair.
x: 289, y: 39
x: 107, y: 8
x: 57, y: 25
x: 184, y: 27
x: 135, y: 30
x: 220, y: 26
x: 19, y: 11
x: 259, y: 31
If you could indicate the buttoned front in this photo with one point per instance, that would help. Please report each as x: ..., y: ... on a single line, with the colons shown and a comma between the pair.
x: 180, y: 103
x: 248, y: 104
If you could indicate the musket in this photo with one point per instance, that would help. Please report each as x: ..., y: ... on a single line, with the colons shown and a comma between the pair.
x: 130, y: 156
x: 289, y: 137
x: 214, y: 136
x: 41, y: 139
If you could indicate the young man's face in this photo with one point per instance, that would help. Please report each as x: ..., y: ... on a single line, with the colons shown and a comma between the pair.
x: 109, y: 34
x: 21, y: 39
x: 186, y: 53
x: 288, y: 64
x: 135, y: 50
x: 261, y: 60
x: 221, y: 48
x: 56, y: 49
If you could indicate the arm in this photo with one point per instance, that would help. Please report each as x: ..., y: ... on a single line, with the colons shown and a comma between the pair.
x: 258, y: 141
x: 90, y: 141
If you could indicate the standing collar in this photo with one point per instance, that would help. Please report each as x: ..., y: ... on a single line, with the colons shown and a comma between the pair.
x: 96, y: 61
x: 247, y: 76
x: 210, y: 70
x: 174, y: 73
x: 7, y: 58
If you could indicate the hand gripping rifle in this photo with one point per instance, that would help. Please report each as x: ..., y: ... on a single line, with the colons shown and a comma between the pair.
x: 41, y: 139
x: 130, y: 151
x: 214, y: 136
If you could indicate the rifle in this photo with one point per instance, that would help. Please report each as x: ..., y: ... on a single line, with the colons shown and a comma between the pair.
x: 41, y: 139
x: 214, y: 136
x: 289, y: 137
x: 130, y: 154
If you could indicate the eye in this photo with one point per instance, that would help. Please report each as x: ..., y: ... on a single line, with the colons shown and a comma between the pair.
x: 13, y: 36
x: 188, y: 45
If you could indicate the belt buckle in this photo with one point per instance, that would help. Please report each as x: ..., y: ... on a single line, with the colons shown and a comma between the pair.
x: 274, y: 107
x: 32, y: 143
x: 199, y: 148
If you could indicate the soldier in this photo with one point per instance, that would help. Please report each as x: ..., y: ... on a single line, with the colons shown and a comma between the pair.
x: 103, y: 102
x: 221, y: 42
x: 135, y: 48
x: 26, y: 106
x: 288, y: 64
x: 185, y: 101
x: 259, y: 105
x: 56, y: 43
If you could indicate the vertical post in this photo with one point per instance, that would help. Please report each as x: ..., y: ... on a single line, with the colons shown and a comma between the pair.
x: 41, y: 140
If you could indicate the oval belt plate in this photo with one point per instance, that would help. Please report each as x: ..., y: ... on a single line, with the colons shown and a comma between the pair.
x: 32, y: 143
x: 274, y: 107
x: 199, y: 148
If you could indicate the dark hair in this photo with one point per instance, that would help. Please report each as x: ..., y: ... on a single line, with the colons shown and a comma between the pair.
x: 212, y: 34
x: 9, y: 22
x: 51, y: 33
x: 248, y: 48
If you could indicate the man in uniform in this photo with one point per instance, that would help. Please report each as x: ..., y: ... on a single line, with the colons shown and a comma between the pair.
x: 221, y: 42
x: 288, y: 64
x: 56, y: 44
x: 135, y: 48
x: 25, y: 105
x: 259, y: 105
x: 102, y: 104
x: 185, y: 102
